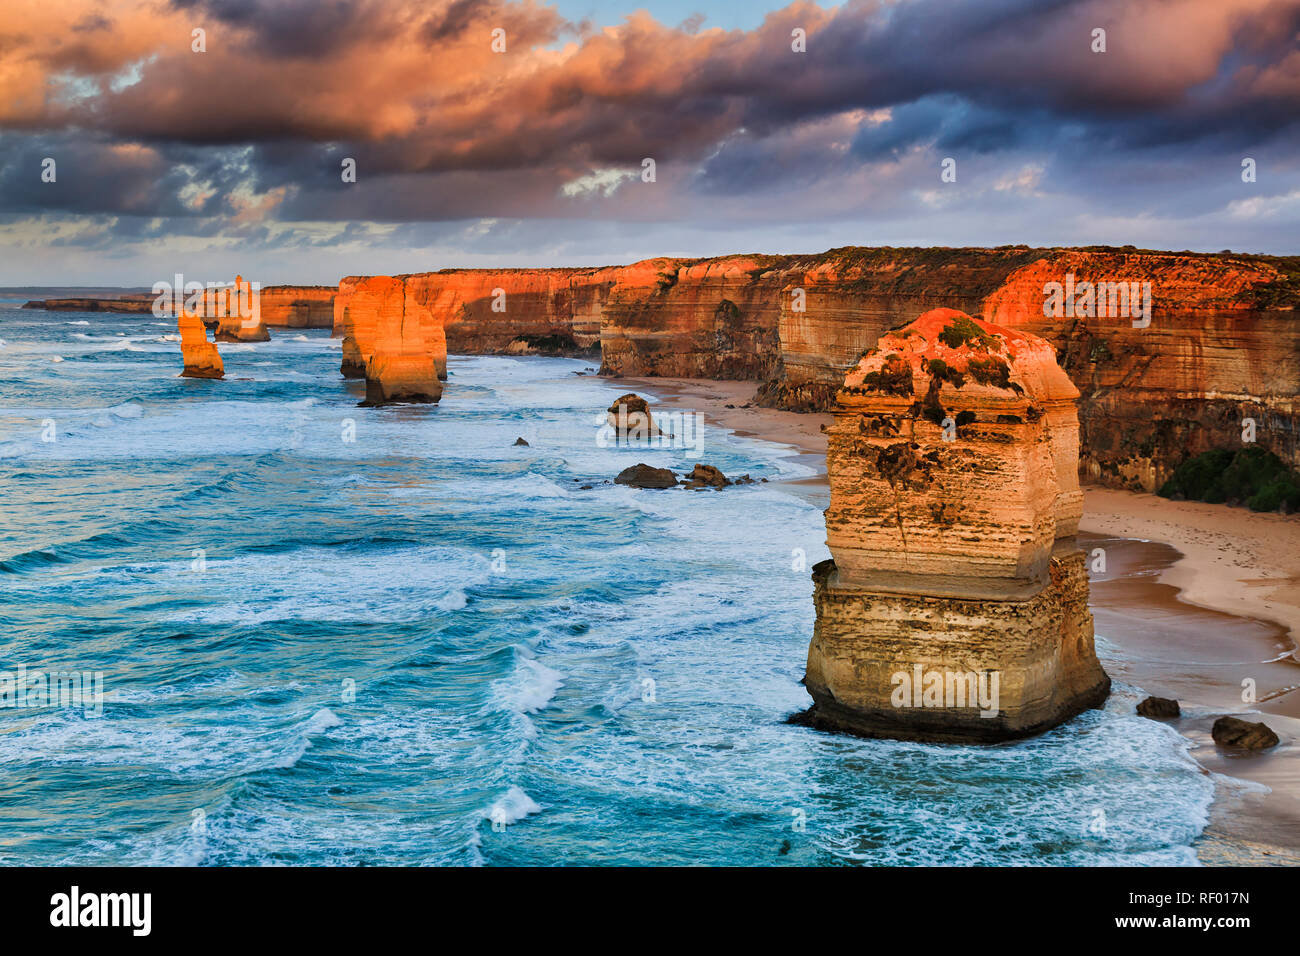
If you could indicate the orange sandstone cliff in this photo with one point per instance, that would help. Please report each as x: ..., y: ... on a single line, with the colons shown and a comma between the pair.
x: 956, y: 604
x: 1222, y: 343
x: 298, y: 306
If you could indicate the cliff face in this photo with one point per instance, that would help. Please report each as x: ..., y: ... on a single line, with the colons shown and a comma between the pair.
x: 954, y: 506
x: 298, y: 306
x: 1222, y: 343
x: 200, y: 357
x: 485, y: 311
x: 1180, y: 385
x: 714, y: 318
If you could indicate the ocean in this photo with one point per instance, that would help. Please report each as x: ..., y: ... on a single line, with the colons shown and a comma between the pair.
x: 337, y: 635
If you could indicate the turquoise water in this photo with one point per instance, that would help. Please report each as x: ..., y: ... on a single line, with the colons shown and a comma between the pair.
x: 390, y: 642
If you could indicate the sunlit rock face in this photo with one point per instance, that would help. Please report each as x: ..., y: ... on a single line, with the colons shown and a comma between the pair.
x: 709, y: 318
x: 486, y: 311
x: 200, y: 357
x: 954, y: 504
x: 298, y: 306
x: 375, y: 311
x: 398, y: 343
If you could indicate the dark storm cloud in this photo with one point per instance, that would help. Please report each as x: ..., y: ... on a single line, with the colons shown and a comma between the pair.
x: 442, y: 127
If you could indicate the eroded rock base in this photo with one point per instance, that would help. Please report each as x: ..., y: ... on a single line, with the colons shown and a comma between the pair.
x: 1031, y: 664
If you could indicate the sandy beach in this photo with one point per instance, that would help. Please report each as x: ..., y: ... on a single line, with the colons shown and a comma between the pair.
x: 1195, y: 599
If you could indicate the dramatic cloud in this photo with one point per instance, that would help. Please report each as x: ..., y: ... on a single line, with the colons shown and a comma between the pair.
x: 251, y: 133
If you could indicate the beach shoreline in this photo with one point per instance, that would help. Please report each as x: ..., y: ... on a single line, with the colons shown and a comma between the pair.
x: 1197, y: 598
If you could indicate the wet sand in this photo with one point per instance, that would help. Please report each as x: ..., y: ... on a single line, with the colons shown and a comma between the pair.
x: 1194, y: 600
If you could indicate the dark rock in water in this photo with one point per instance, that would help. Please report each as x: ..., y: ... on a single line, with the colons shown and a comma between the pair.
x: 520, y: 441
x: 629, y: 416
x: 1235, y: 732
x: 643, y: 476
x: 585, y: 487
x: 1159, y: 707
x: 706, y: 476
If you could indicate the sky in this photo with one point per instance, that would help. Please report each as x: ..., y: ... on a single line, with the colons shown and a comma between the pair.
x: 128, y: 155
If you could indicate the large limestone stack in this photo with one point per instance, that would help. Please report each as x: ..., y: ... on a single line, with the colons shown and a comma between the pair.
x: 199, y: 355
x: 954, y: 504
x: 362, y: 306
x: 406, y: 343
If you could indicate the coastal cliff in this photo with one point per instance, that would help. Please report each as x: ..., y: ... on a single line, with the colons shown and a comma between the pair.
x: 1221, y: 343
x: 298, y: 306
x: 487, y: 311
x: 955, y: 606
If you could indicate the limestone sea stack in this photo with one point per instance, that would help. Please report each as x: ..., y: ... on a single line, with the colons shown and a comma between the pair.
x: 199, y: 355
x: 369, y: 307
x: 403, y: 343
x: 955, y: 607
x: 238, y: 312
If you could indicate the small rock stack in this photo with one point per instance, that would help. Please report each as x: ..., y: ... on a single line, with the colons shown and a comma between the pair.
x: 955, y: 501
x: 238, y: 312
x: 201, y: 358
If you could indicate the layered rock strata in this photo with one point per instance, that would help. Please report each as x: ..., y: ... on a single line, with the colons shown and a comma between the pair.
x: 956, y: 603
x: 1222, y: 344
x: 298, y: 306
x: 200, y: 357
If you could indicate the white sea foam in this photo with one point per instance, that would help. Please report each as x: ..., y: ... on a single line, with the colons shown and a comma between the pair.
x: 511, y: 807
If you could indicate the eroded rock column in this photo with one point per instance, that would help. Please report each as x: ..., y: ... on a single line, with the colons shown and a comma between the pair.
x: 398, y: 342
x: 955, y: 607
x: 199, y: 355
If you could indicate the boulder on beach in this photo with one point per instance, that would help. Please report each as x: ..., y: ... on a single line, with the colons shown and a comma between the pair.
x: 1159, y: 707
x: 629, y: 416
x: 643, y: 476
x: 1235, y: 732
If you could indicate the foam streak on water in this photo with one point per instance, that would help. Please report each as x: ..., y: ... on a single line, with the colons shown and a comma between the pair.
x: 430, y: 646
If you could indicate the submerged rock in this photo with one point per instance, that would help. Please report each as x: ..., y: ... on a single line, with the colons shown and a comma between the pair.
x: 706, y: 476
x: 643, y: 476
x: 1159, y: 707
x: 1235, y: 732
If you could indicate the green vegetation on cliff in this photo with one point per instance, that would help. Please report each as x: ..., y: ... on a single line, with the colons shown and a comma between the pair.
x: 1251, y: 476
